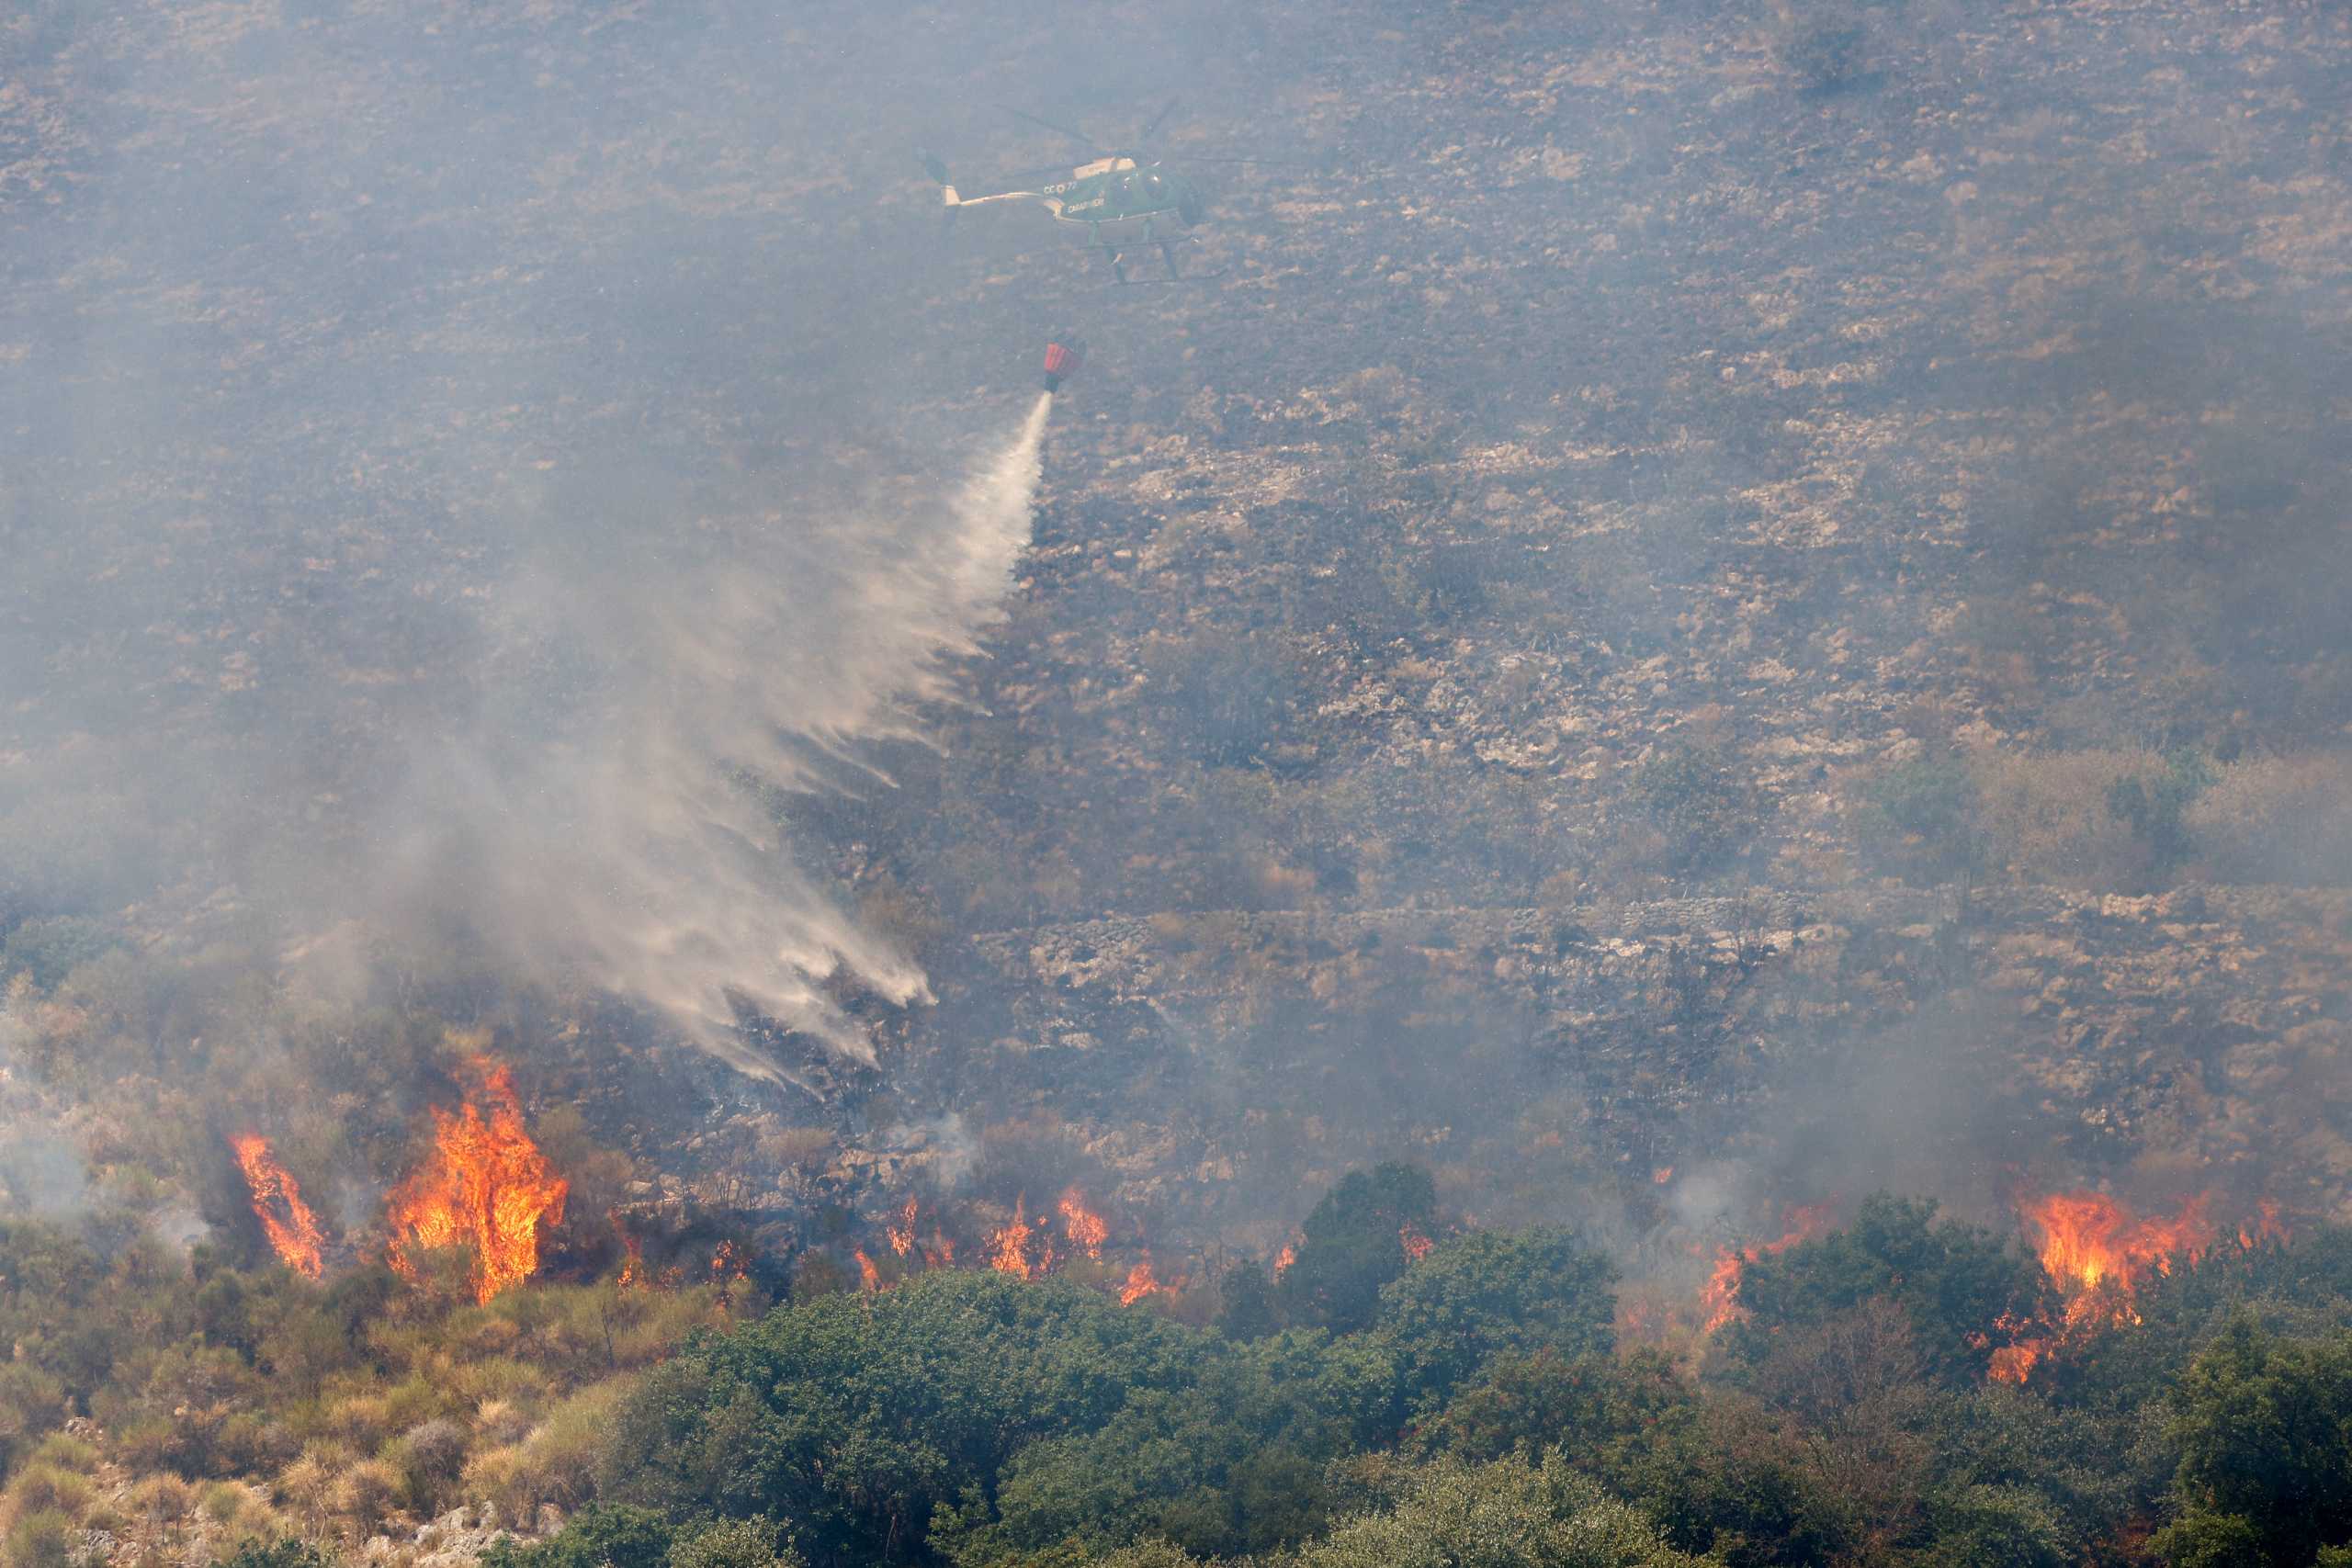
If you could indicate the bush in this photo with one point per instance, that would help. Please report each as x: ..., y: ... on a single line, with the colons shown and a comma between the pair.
x: 2262, y: 1426
x: 63, y: 1451
x: 1825, y: 49
x: 1491, y: 1291
x: 1918, y: 819
x: 1956, y: 1284
x: 1354, y: 1244
x: 1505, y: 1515
x: 164, y: 1499
x: 365, y: 1495
x: 42, y: 1538
x: 45, y: 1486
x: 2276, y: 819
x: 2052, y: 818
x: 557, y: 1462
x: 1691, y: 797
x: 601, y: 1537
x: 755, y: 1542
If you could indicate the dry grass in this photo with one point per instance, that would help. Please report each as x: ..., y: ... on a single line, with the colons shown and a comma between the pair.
x: 2277, y: 820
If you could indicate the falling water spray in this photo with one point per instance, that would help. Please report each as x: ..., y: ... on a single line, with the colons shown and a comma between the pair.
x: 635, y: 859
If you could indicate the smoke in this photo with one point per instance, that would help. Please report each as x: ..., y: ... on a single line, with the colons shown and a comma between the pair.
x: 636, y: 848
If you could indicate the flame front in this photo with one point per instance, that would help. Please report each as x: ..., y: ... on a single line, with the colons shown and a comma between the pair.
x: 1284, y: 1259
x: 286, y: 1219
x: 869, y: 1277
x: 903, y: 1230
x: 1721, y: 1297
x: 1141, y: 1282
x: 1417, y: 1246
x: 485, y: 1183
x: 1082, y: 1225
x: 1009, y: 1248
x: 2098, y: 1254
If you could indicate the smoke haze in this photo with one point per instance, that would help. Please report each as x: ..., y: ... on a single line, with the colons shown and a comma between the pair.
x: 511, y: 491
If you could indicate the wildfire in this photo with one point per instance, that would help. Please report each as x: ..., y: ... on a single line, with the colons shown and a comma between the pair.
x: 2014, y: 1363
x: 286, y: 1219
x: 632, y: 1265
x: 1284, y: 1259
x: 727, y: 1262
x: 485, y: 1183
x: 869, y: 1278
x: 1082, y: 1225
x: 903, y: 1230
x: 2267, y: 1231
x: 2099, y: 1253
x: 1141, y: 1282
x: 1009, y: 1248
x: 941, y: 1253
x: 1417, y: 1246
x: 1721, y: 1297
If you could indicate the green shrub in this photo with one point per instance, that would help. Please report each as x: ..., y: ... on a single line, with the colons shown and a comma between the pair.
x: 1354, y: 1244
x: 755, y: 1542
x: 43, y: 1538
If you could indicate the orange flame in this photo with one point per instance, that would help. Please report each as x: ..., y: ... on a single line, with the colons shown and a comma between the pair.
x: 1284, y: 1259
x: 1009, y: 1248
x: 1721, y: 1297
x: 2014, y: 1363
x: 941, y: 1253
x: 485, y: 1183
x: 869, y: 1278
x: 1662, y: 1175
x: 633, y: 1264
x: 2268, y: 1231
x: 1082, y: 1225
x: 727, y: 1262
x: 294, y: 1233
x: 1141, y: 1282
x: 2098, y: 1253
x: 903, y: 1230
x: 1417, y: 1246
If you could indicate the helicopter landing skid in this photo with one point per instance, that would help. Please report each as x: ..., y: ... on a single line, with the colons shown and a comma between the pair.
x: 1118, y: 256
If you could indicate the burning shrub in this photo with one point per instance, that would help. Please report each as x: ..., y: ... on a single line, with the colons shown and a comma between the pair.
x: 1354, y: 1244
x: 1966, y: 1291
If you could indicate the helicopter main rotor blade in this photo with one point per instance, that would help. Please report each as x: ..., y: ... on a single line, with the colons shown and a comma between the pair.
x: 1145, y: 134
x: 1078, y: 136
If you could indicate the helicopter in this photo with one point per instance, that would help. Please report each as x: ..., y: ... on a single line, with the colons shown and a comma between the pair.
x: 1125, y: 197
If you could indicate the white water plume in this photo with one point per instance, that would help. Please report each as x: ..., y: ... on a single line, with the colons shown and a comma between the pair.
x: 636, y: 853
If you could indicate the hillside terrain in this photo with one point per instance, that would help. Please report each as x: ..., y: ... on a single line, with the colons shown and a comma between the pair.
x: 1693, y: 614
